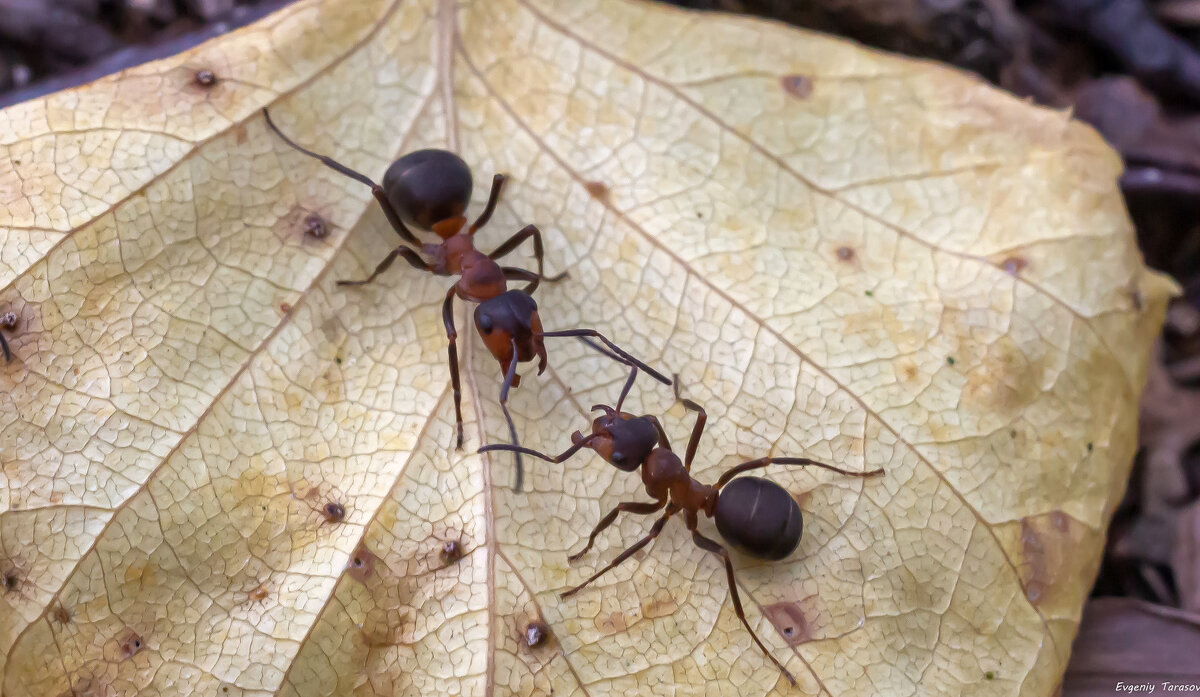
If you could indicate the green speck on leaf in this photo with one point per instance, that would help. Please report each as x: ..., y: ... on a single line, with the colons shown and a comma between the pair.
x: 339, y: 360
x: 1090, y: 446
x: 990, y: 675
x: 869, y: 293
x: 950, y: 360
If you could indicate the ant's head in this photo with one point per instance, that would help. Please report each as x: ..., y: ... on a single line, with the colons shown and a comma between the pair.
x: 508, y: 316
x: 427, y: 187
x: 622, y: 439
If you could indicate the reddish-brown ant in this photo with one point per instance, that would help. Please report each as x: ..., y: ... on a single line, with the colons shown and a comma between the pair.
x: 430, y: 189
x: 754, y: 515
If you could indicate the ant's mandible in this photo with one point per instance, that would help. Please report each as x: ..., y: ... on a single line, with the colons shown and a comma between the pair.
x: 754, y: 515
x: 430, y: 189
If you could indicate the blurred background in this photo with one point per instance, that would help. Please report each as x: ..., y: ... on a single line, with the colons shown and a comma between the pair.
x: 1131, y: 68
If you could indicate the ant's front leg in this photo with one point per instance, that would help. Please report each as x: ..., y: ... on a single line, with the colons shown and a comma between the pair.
x: 409, y: 255
x: 452, y: 337
x: 510, y: 377
x: 4, y: 345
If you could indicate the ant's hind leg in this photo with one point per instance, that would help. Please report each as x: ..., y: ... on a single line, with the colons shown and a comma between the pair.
x: 452, y: 350
x: 493, y: 199
x: 376, y: 190
x: 712, y: 546
x: 4, y: 346
x: 803, y: 461
x: 627, y: 507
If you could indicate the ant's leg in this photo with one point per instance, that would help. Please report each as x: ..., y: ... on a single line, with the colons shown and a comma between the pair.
x: 512, y: 273
x: 663, y: 441
x: 562, y: 457
x: 452, y: 336
x: 538, y: 252
x: 628, y: 386
x: 600, y: 349
x: 409, y: 255
x: 697, y: 431
x: 493, y: 199
x: 764, y: 461
x: 625, y: 357
x: 626, y: 507
x: 376, y: 190
x: 509, y: 376
x: 654, y: 531
x: 4, y: 345
x: 712, y: 546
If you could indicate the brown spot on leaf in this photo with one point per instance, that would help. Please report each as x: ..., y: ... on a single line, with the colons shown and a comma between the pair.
x: 361, y: 564
x: 536, y: 633
x: 598, y: 190
x: 260, y: 593
x: 789, y: 621
x: 1014, y: 265
x: 11, y: 581
x: 285, y: 308
x: 612, y: 623
x: 1051, y: 553
x: 845, y: 254
x: 661, y: 605
x: 799, y: 86
x: 141, y: 573
x: 61, y: 614
x: 129, y: 644
x: 1135, y: 297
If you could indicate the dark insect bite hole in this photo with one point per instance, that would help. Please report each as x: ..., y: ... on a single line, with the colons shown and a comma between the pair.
x: 206, y: 78
x: 536, y: 633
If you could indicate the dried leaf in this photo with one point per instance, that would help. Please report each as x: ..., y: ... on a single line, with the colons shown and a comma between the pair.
x: 1185, y: 560
x: 895, y: 267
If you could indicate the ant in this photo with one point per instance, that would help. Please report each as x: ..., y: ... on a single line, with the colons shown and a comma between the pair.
x: 754, y: 515
x: 430, y: 189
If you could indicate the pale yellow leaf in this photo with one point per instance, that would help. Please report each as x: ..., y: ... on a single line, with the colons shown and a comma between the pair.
x: 863, y: 259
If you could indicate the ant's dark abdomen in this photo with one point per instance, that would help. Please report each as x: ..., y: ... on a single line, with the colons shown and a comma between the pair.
x: 428, y: 186
x: 759, y: 518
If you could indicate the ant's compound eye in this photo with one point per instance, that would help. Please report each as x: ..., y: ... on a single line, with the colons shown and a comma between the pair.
x: 485, y: 323
x: 618, y: 458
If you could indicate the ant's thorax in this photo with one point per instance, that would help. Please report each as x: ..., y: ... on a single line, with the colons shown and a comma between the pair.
x: 665, y: 476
